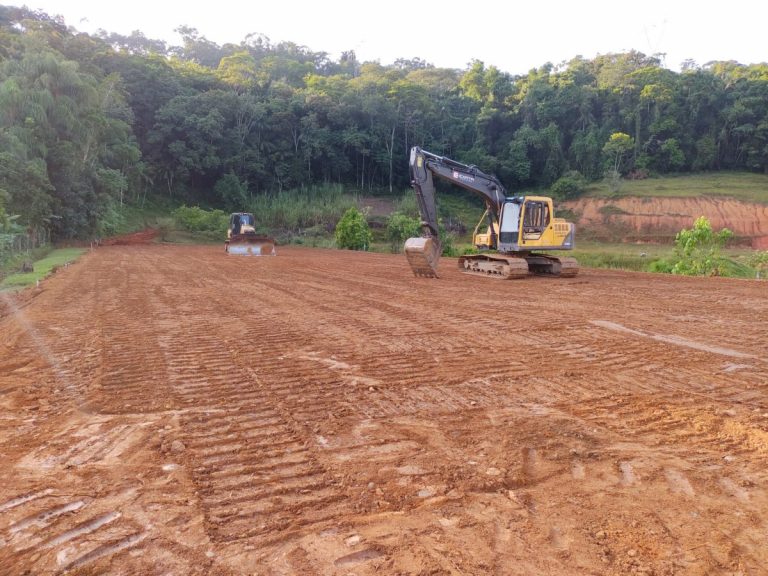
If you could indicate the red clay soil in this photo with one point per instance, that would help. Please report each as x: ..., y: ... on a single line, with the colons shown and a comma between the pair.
x: 655, y: 217
x: 174, y: 410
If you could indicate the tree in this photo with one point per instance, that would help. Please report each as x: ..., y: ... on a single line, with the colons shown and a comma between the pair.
x: 400, y: 227
x: 617, y: 147
x: 698, y: 249
x: 232, y: 192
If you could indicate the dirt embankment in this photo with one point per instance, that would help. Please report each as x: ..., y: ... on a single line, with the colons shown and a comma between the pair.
x: 659, y: 217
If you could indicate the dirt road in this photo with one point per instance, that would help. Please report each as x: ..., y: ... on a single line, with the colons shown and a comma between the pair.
x: 172, y: 410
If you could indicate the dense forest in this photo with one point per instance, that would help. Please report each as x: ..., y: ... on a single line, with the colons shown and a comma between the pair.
x: 89, y: 122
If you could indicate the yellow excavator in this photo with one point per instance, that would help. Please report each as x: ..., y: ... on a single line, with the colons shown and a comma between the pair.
x: 243, y: 239
x: 518, y: 227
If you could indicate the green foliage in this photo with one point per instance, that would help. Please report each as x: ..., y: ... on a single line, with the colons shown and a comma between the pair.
x: 89, y: 122
x: 759, y: 261
x: 449, y: 246
x: 400, y: 227
x: 42, y: 268
x: 569, y: 186
x: 741, y: 185
x: 111, y: 221
x: 232, y: 192
x: 603, y: 259
x: 301, y: 208
x: 212, y: 223
x: 352, y: 231
x: 407, y: 205
x: 618, y: 146
x: 698, y: 250
x: 662, y: 266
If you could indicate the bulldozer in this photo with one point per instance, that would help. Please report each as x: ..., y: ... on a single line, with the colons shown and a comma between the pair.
x: 518, y: 228
x: 243, y: 239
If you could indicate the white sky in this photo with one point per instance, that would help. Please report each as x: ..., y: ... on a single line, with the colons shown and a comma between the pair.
x: 513, y: 36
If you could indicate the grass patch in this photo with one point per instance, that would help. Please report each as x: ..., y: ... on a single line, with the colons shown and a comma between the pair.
x: 634, y: 257
x: 744, y: 186
x: 42, y: 268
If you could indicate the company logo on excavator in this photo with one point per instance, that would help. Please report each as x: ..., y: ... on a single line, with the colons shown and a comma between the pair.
x: 464, y: 177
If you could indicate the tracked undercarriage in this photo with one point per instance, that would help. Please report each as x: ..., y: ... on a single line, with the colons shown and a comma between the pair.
x: 518, y: 266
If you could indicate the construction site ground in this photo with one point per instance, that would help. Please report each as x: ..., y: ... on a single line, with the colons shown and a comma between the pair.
x: 174, y: 410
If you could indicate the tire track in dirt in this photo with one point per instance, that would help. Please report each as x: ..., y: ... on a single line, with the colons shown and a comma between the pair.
x: 70, y: 532
x: 249, y: 458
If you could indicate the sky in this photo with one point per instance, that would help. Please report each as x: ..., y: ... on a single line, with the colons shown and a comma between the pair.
x: 513, y: 36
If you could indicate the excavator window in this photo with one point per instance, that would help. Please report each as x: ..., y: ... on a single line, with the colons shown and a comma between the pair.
x: 536, y: 217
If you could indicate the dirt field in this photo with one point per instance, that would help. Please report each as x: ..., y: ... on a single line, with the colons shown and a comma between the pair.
x: 173, y: 410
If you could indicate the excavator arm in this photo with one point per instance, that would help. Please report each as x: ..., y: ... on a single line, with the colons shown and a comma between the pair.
x: 424, y: 252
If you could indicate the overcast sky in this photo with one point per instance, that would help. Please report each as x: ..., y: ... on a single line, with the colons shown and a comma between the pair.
x: 513, y: 36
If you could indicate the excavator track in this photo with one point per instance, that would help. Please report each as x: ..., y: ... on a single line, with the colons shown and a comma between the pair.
x: 544, y: 265
x: 494, y: 266
x: 515, y: 267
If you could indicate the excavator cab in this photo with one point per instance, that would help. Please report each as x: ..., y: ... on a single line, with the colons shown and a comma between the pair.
x: 243, y: 239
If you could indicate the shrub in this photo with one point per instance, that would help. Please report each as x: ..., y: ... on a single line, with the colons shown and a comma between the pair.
x: 570, y: 185
x: 698, y: 249
x: 195, y: 219
x: 399, y: 228
x: 352, y: 231
x: 661, y: 266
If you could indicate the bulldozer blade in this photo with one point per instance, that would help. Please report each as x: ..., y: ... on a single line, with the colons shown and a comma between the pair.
x: 423, y: 255
x: 252, y: 246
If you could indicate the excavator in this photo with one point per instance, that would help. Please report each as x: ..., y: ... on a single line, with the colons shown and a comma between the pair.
x: 518, y: 227
x: 242, y: 237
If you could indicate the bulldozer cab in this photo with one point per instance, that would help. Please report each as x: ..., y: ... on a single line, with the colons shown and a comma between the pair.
x: 240, y: 219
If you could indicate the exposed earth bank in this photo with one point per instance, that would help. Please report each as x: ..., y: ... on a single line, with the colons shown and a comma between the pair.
x: 659, y: 218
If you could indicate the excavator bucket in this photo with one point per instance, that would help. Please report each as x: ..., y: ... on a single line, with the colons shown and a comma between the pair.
x: 423, y: 254
x: 251, y: 245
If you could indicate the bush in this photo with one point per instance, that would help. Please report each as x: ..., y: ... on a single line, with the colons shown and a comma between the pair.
x: 698, y: 249
x: 352, y: 231
x: 195, y: 219
x: 570, y: 185
x: 399, y: 228
x: 661, y: 266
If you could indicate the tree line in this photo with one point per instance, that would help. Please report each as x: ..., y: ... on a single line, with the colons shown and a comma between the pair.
x: 89, y: 122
